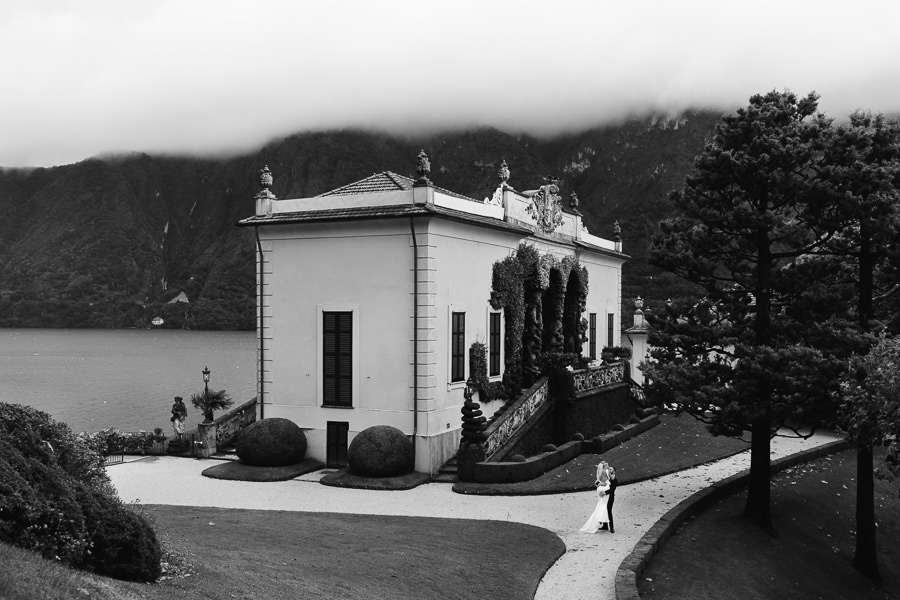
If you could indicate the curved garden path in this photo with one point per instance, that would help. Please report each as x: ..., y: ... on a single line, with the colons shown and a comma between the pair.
x: 586, y: 571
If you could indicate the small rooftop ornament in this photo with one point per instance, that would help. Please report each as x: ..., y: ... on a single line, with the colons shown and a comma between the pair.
x: 617, y: 231
x: 573, y: 203
x: 423, y: 168
x: 265, y: 182
x: 265, y: 178
x: 503, y: 173
x: 638, y: 304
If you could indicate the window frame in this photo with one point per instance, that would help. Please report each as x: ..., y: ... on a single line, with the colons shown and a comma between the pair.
x: 592, y: 336
x: 457, y: 338
x: 610, y: 329
x: 495, y: 344
x: 321, y: 309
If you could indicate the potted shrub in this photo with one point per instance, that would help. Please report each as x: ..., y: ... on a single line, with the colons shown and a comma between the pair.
x: 209, y: 401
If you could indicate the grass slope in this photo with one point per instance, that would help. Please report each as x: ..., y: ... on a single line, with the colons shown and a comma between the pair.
x: 719, y: 554
x: 678, y: 442
x: 277, y: 554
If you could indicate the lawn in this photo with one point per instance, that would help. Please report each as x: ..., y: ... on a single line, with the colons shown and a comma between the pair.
x: 225, y: 554
x: 719, y: 554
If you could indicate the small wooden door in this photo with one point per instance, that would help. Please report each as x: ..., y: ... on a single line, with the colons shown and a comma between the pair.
x: 336, y: 441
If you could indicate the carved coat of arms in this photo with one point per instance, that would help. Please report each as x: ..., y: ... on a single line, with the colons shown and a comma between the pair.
x: 545, y: 206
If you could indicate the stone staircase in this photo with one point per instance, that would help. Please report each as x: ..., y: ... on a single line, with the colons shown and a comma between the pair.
x: 226, y: 453
x: 447, y: 473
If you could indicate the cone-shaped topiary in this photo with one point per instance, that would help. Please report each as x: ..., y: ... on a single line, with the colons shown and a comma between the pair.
x: 380, y: 451
x: 274, y: 442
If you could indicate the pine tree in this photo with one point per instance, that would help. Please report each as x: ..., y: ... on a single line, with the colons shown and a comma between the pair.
x: 753, y: 204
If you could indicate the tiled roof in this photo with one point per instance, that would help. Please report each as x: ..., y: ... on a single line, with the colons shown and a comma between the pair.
x: 379, y: 182
x: 386, y: 181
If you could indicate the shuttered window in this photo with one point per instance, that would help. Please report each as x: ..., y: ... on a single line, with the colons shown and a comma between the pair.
x: 610, y: 329
x: 337, y: 358
x: 494, y: 351
x: 592, y: 336
x: 458, y: 347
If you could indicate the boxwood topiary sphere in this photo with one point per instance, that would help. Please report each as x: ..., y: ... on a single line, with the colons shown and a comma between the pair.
x: 274, y: 442
x: 380, y: 451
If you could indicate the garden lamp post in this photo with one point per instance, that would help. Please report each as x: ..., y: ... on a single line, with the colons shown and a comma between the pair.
x: 471, y: 388
x: 207, y: 414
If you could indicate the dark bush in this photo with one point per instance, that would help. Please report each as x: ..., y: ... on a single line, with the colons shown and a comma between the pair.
x: 125, y: 546
x: 380, y: 451
x: 517, y: 458
x: 272, y: 442
x: 55, y: 496
x: 578, y: 437
x: 549, y: 448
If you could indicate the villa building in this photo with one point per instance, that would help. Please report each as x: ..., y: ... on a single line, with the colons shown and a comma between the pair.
x: 370, y: 296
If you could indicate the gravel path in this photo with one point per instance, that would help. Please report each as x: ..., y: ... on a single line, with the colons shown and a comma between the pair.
x: 586, y: 571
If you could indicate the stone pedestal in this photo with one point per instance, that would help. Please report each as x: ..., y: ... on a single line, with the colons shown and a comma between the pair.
x: 206, y: 435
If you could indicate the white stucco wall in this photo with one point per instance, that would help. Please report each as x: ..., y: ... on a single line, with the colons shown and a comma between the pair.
x: 367, y: 266
x: 335, y: 267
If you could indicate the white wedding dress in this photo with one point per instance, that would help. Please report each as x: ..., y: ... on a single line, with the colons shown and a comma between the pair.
x: 599, y: 515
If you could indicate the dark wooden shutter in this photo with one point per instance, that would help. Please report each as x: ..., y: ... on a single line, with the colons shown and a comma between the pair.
x: 337, y: 354
x: 592, y: 336
x: 458, y: 347
x: 494, y: 351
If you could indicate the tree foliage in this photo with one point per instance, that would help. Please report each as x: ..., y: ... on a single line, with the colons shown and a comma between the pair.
x: 753, y: 204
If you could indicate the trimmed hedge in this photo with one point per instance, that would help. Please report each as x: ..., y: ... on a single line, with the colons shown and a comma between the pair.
x: 275, y: 442
x: 380, y: 451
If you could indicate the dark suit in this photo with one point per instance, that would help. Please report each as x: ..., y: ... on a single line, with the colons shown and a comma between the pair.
x: 613, y: 484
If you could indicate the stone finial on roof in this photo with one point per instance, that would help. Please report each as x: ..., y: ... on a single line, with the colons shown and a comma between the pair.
x: 265, y: 178
x: 638, y: 304
x: 617, y: 231
x: 573, y: 203
x: 423, y: 168
x: 503, y: 172
x: 264, y: 196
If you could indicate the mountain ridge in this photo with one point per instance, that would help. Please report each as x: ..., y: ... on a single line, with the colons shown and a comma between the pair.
x: 108, y: 242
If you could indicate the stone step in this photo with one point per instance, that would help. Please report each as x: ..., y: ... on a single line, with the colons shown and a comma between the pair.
x: 442, y: 477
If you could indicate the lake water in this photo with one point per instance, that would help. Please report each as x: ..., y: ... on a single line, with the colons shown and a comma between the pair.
x: 93, y: 378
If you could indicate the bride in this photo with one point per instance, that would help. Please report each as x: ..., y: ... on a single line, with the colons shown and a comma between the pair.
x: 599, y: 515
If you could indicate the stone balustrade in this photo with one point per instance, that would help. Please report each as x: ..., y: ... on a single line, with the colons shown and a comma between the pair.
x: 592, y: 378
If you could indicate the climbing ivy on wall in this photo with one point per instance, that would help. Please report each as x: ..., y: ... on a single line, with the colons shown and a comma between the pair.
x: 521, y: 284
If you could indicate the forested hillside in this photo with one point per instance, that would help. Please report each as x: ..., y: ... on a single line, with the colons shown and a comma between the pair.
x: 112, y: 241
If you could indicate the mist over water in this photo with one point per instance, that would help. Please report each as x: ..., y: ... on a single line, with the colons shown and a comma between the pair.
x: 92, y: 379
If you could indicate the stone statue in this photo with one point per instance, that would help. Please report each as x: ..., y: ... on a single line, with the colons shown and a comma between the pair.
x: 423, y: 166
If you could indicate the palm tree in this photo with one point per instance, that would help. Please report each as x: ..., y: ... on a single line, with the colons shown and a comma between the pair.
x: 209, y: 401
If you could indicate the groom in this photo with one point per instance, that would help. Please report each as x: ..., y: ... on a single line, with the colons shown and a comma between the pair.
x: 611, y: 493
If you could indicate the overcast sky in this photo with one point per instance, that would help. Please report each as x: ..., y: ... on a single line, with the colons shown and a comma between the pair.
x: 85, y: 77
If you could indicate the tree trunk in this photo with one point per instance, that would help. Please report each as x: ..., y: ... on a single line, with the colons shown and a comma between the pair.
x: 866, y: 558
x: 757, y: 508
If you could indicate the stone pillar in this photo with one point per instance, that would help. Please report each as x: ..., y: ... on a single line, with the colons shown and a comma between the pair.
x: 637, y: 338
x: 206, y: 435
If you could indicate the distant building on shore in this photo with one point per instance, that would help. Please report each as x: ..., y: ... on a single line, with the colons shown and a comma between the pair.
x: 370, y: 296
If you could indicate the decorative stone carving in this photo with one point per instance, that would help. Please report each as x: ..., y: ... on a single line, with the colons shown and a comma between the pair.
x: 617, y: 231
x: 596, y: 377
x: 506, y: 426
x: 573, y: 203
x: 545, y: 206
x: 638, y: 303
x: 265, y: 178
x: 423, y: 167
x: 503, y: 173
